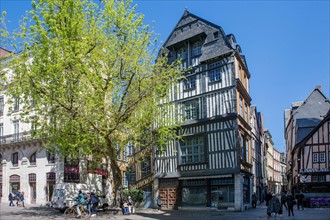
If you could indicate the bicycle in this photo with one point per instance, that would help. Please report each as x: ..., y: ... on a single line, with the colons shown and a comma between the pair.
x: 72, y: 212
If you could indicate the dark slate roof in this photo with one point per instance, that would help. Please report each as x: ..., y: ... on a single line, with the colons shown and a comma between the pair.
x: 310, y: 134
x: 190, y: 26
x: 309, y: 114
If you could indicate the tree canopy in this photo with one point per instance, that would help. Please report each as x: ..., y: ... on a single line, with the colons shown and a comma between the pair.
x: 88, y: 80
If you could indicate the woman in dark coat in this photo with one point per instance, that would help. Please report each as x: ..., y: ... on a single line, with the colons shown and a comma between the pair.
x: 268, y: 197
x: 290, y: 201
x: 274, y: 206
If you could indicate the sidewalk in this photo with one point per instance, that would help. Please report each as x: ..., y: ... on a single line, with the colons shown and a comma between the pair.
x: 38, y: 213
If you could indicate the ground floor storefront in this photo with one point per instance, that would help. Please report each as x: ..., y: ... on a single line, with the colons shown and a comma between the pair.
x: 219, y: 192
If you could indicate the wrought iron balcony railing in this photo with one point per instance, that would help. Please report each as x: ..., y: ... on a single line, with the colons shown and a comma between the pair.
x: 14, y: 138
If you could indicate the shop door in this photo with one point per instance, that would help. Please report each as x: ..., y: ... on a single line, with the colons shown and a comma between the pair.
x: 216, y: 197
x: 33, y: 193
x: 169, y: 198
x: 50, y: 190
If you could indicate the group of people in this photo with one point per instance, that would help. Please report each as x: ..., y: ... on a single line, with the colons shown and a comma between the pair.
x: 90, y: 200
x: 126, y: 206
x: 19, y: 197
x: 275, y: 205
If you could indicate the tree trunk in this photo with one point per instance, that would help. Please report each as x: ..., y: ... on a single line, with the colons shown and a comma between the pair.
x: 117, y: 182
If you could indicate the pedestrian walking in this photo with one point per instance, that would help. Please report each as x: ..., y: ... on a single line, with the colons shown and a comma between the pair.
x: 159, y: 203
x: 300, y: 197
x: 274, y: 206
x: 94, y: 204
x: 254, y: 200
x: 81, y: 200
x: 268, y: 197
x: 11, y: 198
x: 290, y: 201
x: 130, y: 205
x: 20, y: 198
x: 283, y: 200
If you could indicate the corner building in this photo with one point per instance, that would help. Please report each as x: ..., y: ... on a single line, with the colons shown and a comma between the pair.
x: 211, y: 165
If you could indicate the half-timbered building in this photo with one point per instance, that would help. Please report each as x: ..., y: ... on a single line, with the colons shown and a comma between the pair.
x: 211, y: 165
x: 313, y: 155
x: 308, y: 146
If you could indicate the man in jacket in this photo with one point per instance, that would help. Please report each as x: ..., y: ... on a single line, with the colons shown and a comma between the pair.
x: 81, y: 200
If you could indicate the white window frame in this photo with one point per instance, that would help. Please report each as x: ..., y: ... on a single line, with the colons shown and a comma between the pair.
x: 189, y: 83
x: 192, y: 150
x: 196, y: 49
x: 191, y: 109
x: 214, y: 75
x: 322, y: 157
x: 315, y: 157
x: 182, y: 53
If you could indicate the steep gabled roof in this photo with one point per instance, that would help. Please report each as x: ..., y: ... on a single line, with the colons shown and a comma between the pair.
x: 190, y: 26
x: 310, y: 113
x: 326, y: 118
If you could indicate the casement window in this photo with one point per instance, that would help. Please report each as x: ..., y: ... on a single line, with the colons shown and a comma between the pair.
x: 15, y: 159
x: 125, y: 180
x: 2, y: 105
x: 191, y: 109
x: 192, y: 150
x: 245, y: 112
x: 146, y: 167
x: 33, y: 159
x: 189, y: 83
x: 50, y: 157
x: 130, y: 150
x: 241, y: 105
x: 182, y: 53
x: 71, y: 171
x: 16, y: 104
x: 320, y: 178
x: 196, y: 49
x: 16, y: 130
x: 2, y: 139
x: 315, y: 157
x: 32, y: 178
x: 245, y: 150
x: 322, y: 157
x: 214, y: 75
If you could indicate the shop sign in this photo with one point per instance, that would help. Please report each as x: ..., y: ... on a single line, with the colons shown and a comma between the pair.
x: 315, y: 170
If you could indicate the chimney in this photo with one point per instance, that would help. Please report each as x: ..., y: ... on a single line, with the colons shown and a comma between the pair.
x: 319, y: 87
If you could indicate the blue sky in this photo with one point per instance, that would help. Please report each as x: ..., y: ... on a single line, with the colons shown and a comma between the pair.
x: 286, y: 44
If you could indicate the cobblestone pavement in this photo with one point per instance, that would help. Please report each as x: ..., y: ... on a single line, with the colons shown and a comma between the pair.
x: 38, y: 213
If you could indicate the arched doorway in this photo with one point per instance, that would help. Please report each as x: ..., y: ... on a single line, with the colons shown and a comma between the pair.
x: 14, y: 183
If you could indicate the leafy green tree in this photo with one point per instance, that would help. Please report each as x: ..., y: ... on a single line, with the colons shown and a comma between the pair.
x: 89, y: 69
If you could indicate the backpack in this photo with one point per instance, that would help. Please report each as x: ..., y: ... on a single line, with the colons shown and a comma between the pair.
x: 94, y: 199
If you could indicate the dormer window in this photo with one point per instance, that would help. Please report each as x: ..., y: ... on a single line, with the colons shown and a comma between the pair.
x: 216, y: 35
x: 182, y: 53
x: 196, y: 49
x: 33, y: 159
